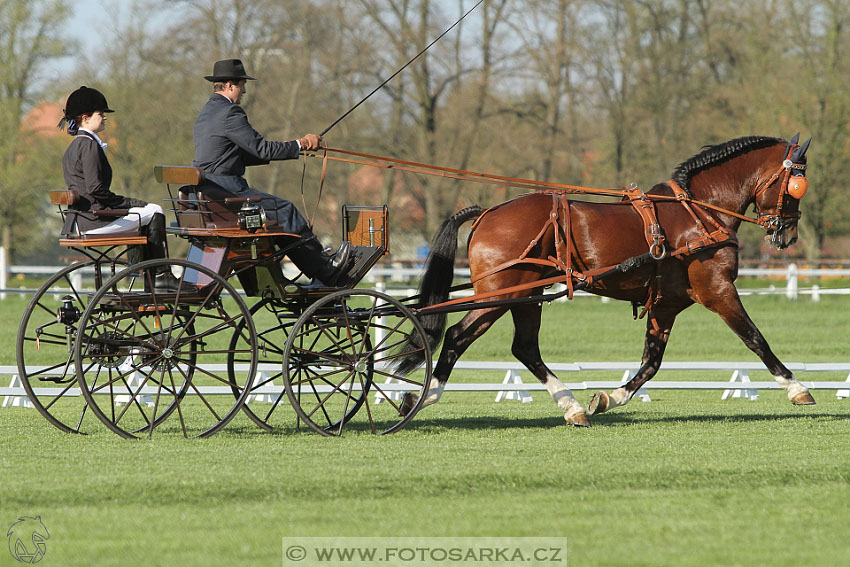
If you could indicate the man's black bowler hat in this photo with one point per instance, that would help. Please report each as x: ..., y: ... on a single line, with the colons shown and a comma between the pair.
x: 85, y: 101
x: 228, y: 70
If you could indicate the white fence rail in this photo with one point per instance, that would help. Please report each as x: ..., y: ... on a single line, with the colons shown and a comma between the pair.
x: 512, y: 387
x: 394, y: 274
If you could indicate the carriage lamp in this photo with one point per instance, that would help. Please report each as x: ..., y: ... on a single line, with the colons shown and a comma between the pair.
x: 251, y: 217
x: 68, y: 312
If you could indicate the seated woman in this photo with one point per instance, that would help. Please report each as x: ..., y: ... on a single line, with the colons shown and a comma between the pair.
x: 88, y: 173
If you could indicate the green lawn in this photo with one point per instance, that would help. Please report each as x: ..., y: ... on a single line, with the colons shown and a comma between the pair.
x: 687, y: 479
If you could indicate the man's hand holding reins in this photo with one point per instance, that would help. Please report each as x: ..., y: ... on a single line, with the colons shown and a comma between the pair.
x: 310, y: 142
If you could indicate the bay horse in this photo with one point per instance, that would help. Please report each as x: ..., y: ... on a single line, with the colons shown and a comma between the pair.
x: 666, y: 249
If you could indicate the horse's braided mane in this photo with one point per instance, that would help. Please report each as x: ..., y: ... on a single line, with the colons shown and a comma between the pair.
x: 713, y: 155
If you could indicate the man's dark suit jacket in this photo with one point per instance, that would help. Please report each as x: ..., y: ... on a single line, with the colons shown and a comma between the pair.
x: 87, y: 171
x: 226, y: 143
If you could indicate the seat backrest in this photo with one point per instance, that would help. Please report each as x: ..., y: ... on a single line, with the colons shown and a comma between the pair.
x: 182, y: 174
x: 64, y: 197
x: 189, y: 177
x: 215, y: 212
x: 188, y: 211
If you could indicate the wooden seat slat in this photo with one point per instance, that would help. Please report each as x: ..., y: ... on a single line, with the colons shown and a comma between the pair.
x: 228, y: 232
x: 102, y: 240
x: 183, y: 174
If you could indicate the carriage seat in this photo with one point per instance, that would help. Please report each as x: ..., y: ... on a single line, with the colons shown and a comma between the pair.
x: 65, y: 198
x: 200, y: 204
x: 218, y: 208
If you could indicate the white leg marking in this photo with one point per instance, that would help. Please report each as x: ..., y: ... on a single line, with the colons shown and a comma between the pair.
x: 618, y: 397
x: 792, y: 386
x: 435, y: 391
x: 562, y: 395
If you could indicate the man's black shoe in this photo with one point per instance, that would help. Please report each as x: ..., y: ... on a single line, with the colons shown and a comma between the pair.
x: 339, y: 263
x: 341, y: 257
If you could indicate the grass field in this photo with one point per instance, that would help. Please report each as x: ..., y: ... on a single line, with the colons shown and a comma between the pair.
x: 687, y: 479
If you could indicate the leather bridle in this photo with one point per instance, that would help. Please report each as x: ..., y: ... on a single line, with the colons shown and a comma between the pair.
x: 786, y: 212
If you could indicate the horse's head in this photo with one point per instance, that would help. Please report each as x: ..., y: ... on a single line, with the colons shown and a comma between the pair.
x: 777, y: 199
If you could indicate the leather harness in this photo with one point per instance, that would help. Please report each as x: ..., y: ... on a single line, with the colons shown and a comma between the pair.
x: 712, y: 232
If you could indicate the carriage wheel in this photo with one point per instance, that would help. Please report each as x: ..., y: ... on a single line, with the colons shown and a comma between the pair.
x: 333, y: 365
x: 143, y: 356
x: 45, y: 344
x: 276, y: 319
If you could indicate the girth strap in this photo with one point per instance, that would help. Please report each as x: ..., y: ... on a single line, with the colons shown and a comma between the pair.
x: 652, y: 230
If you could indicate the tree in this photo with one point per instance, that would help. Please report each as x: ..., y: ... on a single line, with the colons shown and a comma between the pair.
x: 814, y: 94
x: 29, y: 37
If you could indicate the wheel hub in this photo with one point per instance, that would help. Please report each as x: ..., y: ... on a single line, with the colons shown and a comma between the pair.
x: 106, y: 350
x: 165, y: 358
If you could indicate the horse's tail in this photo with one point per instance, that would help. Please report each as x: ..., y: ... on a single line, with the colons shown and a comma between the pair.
x: 434, y: 288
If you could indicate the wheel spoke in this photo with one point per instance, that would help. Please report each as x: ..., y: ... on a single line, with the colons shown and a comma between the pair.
x: 166, y: 340
x: 45, y: 334
x: 330, y: 354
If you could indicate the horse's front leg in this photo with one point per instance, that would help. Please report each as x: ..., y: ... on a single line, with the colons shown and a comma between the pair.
x: 718, y: 293
x: 658, y: 326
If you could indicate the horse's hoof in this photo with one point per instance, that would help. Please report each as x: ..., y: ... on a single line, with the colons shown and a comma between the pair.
x: 407, y: 403
x: 803, y: 399
x: 577, y: 419
x: 598, y: 403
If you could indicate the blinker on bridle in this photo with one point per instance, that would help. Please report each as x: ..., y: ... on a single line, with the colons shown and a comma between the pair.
x: 792, y: 176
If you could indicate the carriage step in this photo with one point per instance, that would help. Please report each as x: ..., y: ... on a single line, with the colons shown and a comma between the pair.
x: 72, y: 377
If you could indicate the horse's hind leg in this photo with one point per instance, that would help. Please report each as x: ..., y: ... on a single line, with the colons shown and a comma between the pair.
x: 526, y: 349
x: 457, y: 339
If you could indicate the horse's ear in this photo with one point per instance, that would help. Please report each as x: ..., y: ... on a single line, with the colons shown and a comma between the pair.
x: 799, y: 153
x: 805, y: 147
x: 791, y: 143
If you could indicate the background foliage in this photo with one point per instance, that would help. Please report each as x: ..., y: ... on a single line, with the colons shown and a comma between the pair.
x: 594, y: 92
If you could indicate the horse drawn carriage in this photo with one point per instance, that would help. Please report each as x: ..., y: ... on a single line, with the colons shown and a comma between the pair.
x: 188, y: 361
x: 134, y: 357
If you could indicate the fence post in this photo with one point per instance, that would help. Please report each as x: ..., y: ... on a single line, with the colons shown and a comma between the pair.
x: 740, y: 376
x: 792, y: 285
x: 2, y: 270
x: 513, y: 377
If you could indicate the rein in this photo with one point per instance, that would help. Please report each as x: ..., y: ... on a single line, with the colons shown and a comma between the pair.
x: 371, y: 160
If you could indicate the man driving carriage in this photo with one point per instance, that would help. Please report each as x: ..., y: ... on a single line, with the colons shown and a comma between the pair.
x: 226, y: 143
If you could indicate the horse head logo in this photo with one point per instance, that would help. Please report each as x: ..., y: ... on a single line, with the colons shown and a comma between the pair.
x: 27, y: 539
